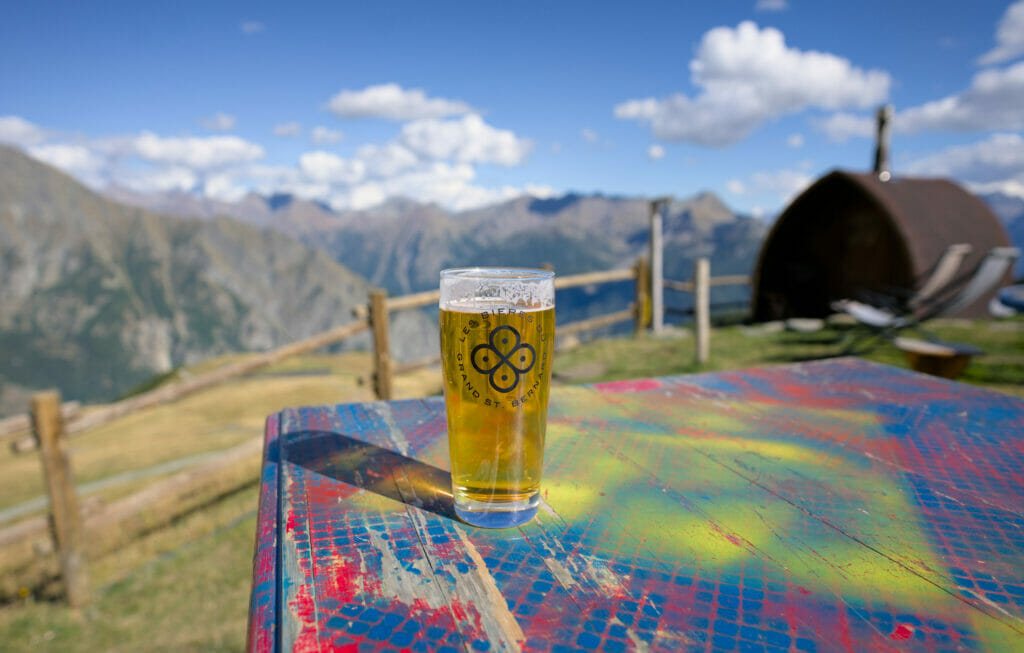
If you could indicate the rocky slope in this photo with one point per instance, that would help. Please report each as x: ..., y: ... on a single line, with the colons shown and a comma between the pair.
x: 96, y: 297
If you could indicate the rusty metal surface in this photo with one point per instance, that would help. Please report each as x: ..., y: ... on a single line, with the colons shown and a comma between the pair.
x: 838, y: 505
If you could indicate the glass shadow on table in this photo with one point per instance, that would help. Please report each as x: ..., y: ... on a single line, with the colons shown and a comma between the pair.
x: 374, y: 469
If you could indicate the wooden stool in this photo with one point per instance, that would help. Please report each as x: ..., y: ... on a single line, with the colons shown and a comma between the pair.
x: 945, y: 359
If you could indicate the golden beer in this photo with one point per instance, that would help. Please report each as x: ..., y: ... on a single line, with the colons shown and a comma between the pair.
x: 497, y: 372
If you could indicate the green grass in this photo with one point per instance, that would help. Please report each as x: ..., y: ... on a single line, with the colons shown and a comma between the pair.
x: 1000, y: 368
x: 185, y: 586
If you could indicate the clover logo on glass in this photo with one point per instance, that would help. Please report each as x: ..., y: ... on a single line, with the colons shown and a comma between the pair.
x: 504, y: 358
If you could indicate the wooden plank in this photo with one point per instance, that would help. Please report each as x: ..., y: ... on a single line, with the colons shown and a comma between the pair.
x: 795, y: 508
x: 418, y: 364
x: 174, y: 391
x: 65, y: 518
x: 17, y: 425
x: 264, y: 599
x: 596, y: 322
x: 588, y: 278
x: 726, y: 280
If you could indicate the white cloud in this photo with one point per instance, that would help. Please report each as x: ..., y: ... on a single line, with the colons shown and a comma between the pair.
x: 997, y: 160
x: 748, y: 76
x: 655, y: 152
x: 288, y: 129
x: 252, y: 27
x: 392, y: 102
x: 219, y: 122
x: 386, y: 160
x: 429, y: 161
x: 771, y: 5
x: 465, y: 140
x: 70, y: 158
x: 841, y: 127
x: 326, y: 167
x: 197, y: 153
x: 1009, y: 37
x: 795, y: 141
x: 993, y: 101
x: 589, y: 135
x: 781, y: 186
x: 325, y: 136
x: 76, y: 160
x: 18, y: 131
x: 161, y: 180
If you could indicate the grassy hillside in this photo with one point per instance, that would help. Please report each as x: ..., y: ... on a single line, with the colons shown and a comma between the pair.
x: 184, y: 585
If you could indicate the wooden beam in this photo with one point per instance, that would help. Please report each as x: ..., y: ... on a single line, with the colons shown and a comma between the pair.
x: 657, y: 266
x: 596, y: 322
x: 702, y: 308
x: 642, y: 303
x: 381, y: 347
x: 174, y: 391
x: 65, y: 519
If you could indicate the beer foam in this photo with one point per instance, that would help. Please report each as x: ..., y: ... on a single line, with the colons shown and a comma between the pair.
x: 480, y: 289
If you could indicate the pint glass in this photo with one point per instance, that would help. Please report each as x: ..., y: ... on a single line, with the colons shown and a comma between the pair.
x: 497, y: 340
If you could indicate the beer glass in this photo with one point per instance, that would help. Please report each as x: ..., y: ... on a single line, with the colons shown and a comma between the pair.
x: 497, y: 341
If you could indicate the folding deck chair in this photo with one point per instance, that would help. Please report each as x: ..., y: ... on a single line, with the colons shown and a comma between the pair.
x: 881, y: 322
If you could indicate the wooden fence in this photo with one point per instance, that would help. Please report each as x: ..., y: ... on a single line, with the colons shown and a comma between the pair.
x: 51, y: 422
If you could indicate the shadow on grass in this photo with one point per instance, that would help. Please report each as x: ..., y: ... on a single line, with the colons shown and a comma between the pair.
x: 374, y: 469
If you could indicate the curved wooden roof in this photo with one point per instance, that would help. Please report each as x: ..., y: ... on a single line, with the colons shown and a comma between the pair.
x: 927, y: 215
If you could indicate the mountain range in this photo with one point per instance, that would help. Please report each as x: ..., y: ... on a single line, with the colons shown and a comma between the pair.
x: 101, y: 292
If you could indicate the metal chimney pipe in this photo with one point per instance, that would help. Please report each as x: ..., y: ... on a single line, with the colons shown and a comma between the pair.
x: 885, y: 113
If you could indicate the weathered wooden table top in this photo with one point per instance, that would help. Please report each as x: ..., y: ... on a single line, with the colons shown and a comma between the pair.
x: 837, y: 505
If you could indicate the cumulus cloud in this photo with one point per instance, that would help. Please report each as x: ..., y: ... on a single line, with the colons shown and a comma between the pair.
x: 430, y: 160
x: 387, y: 160
x: 197, y: 153
x: 771, y: 5
x: 748, y: 76
x: 465, y: 140
x: 325, y: 136
x: 219, y: 122
x: 288, y: 129
x: 998, y: 159
x: 779, y: 186
x: 655, y: 152
x: 331, y: 168
x: 841, y: 127
x: 18, y: 131
x: 392, y: 102
x: 250, y: 27
x: 992, y: 101
x: 1009, y: 37
x: 589, y: 135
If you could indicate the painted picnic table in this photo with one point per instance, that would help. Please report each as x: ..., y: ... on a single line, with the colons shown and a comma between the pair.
x: 838, y: 505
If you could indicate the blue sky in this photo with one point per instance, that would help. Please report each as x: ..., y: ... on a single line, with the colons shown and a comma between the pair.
x: 469, y: 103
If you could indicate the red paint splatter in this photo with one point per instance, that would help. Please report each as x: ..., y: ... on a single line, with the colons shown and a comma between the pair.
x: 619, y: 387
x: 803, y: 590
x: 903, y: 631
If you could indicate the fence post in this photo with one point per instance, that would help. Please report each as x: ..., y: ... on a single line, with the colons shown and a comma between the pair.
x: 643, y: 279
x: 65, y: 518
x: 381, y: 346
x: 702, y: 307
x: 657, y: 266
